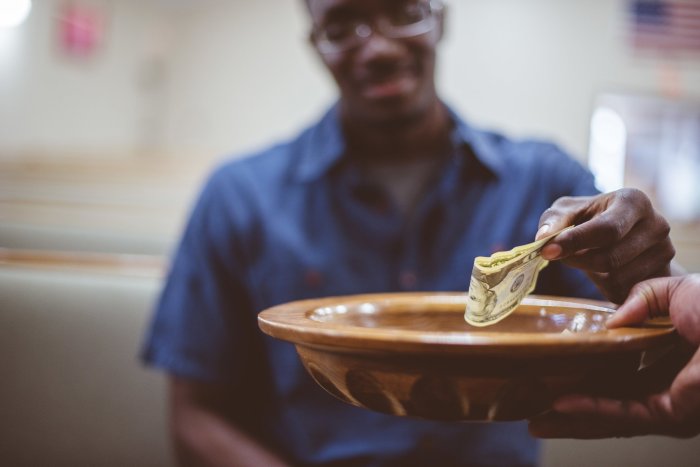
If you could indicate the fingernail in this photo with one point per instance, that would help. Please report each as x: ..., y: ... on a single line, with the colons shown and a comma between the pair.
x: 551, y: 252
x: 612, y: 322
x: 543, y: 230
x: 631, y: 303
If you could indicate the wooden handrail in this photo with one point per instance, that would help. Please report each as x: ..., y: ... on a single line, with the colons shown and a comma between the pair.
x: 127, y: 264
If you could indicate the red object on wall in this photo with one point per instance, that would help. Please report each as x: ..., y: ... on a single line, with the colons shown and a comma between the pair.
x: 81, y: 29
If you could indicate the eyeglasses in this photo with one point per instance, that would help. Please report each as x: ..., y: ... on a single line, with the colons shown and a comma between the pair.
x: 407, y: 19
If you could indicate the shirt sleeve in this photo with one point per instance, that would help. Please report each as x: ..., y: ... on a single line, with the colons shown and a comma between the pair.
x: 203, y: 320
x: 568, y: 177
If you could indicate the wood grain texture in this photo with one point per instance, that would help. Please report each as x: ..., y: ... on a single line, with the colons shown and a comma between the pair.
x: 412, y: 354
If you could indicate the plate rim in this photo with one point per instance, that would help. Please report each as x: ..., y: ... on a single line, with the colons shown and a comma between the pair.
x: 282, y: 322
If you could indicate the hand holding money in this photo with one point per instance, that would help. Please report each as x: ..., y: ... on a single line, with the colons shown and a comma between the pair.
x: 500, y: 282
x: 619, y: 239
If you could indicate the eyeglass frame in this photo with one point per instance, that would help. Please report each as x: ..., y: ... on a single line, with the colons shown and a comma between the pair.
x: 365, y: 29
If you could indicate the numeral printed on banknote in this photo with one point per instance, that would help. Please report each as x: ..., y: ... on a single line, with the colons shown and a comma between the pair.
x: 500, y: 282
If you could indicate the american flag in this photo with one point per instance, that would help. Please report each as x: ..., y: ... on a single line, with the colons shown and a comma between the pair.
x: 665, y: 25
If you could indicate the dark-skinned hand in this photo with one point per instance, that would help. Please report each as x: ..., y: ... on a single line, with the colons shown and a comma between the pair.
x: 674, y: 410
x: 619, y: 239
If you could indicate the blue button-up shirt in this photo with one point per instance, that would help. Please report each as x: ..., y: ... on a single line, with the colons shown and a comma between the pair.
x: 294, y: 222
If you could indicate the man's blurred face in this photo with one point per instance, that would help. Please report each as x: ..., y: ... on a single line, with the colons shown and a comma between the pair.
x: 381, y: 54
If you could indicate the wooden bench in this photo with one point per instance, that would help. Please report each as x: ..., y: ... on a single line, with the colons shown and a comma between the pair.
x: 118, y: 206
x: 74, y: 391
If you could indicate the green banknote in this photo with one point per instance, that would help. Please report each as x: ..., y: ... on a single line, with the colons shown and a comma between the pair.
x: 501, y: 281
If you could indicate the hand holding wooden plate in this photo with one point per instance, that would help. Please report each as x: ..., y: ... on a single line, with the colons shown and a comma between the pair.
x: 413, y: 354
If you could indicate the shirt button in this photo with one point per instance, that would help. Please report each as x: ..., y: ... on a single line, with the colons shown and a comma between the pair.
x: 407, y: 279
x: 382, y: 207
x: 313, y: 278
x: 425, y: 443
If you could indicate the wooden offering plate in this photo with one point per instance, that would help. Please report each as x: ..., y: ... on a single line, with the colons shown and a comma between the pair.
x: 413, y: 354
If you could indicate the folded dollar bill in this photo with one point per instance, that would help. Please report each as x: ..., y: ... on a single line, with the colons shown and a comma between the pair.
x: 500, y: 282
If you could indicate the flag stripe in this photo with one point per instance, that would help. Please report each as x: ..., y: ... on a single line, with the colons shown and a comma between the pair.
x: 664, y: 24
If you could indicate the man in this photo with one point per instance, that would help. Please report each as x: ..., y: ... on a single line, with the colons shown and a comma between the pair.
x: 672, y: 411
x: 389, y: 191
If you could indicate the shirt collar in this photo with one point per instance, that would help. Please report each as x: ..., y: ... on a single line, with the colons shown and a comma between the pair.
x: 323, y: 146
x: 482, y: 144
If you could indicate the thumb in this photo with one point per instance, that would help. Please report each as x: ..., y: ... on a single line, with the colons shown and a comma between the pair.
x: 647, y: 299
x: 552, y: 222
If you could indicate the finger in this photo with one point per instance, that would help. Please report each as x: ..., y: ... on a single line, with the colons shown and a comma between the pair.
x: 683, y: 425
x: 617, y: 284
x: 627, y: 410
x: 557, y: 425
x: 602, y: 231
x: 685, y: 307
x: 676, y: 410
x: 605, y: 221
x: 564, y: 212
x: 578, y: 416
x: 575, y: 403
x: 640, y: 239
x: 683, y: 401
x: 646, y: 300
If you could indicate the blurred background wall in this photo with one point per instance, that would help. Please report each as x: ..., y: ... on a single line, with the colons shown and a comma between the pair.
x: 113, y: 111
x: 212, y: 77
x: 57, y: 102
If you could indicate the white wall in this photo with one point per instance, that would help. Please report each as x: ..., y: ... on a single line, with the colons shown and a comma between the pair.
x: 533, y: 67
x: 246, y: 75
x: 220, y: 76
x: 52, y: 104
x: 243, y: 74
